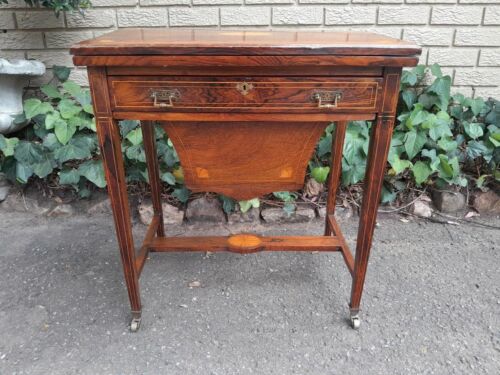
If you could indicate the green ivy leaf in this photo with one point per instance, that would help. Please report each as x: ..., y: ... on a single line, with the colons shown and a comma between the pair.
x: 135, y: 136
x: 477, y: 106
x: 69, y: 176
x: 50, y: 142
x: 93, y: 171
x: 34, y: 107
x: 136, y: 152
x: 43, y: 168
x: 23, y: 173
x: 414, y: 142
x: 168, y: 177
x: 473, y: 130
x: 68, y: 108
x: 320, y: 174
x: 7, y: 145
x: 51, y: 91
x: 324, y: 145
x: 246, y: 205
x: 28, y: 153
x: 64, y: 130
x: 436, y: 71
x: 80, y: 147
x: 400, y: 165
x: 285, y: 196
x: 61, y: 72
x: 409, y: 97
x: 447, y: 144
x: 126, y: 126
x: 228, y: 204
x: 72, y: 88
x: 51, y: 119
x: 182, y: 194
x: 421, y: 171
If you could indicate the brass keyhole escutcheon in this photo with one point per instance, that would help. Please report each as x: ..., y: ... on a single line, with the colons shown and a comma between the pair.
x: 244, y: 87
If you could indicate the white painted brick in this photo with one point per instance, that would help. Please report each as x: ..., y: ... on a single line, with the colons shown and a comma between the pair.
x: 487, y: 92
x: 9, y: 55
x: 489, y: 57
x: 50, y: 58
x: 492, y: 15
x: 390, y: 31
x: 477, y: 77
x: 429, y: 36
x: 80, y: 76
x: 478, y: 37
x: 467, y: 91
x: 164, y: 2
x: 351, y: 15
x: 453, y: 56
x: 429, y: 78
x: 21, y: 40
x: 414, y: 15
x: 479, y: 1
x: 377, y: 1
x: 138, y: 17
x: 323, y: 1
x: 99, y: 32
x: 242, y: 16
x: 39, y: 20
x: 114, y: 3
x: 457, y: 15
x: 65, y: 39
x: 7, y: 20
x: 431, y: 1
x: 298, y: 16
x: 269, y: 1
x: 215, y: 2
x: 199, y: 16
x: 92, y: 18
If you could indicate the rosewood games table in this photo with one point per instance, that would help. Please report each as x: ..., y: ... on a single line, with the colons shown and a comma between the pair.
x: 244, y: 110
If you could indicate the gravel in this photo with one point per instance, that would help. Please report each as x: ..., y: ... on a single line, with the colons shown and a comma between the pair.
x: 431, y: 303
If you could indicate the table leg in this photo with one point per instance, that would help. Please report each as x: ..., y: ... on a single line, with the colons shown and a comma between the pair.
x: 336, y: 170
x: 109, y: 141
x: 148, y: 135
x: 380, y: 141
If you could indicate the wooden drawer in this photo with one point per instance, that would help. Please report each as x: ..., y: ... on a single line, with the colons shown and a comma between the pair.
x: 257, y: 94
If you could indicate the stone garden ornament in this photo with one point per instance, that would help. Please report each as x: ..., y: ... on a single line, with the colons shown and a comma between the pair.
x: 14, y: 75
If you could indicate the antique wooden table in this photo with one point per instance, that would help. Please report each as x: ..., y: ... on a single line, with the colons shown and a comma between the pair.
x: 244, y: 110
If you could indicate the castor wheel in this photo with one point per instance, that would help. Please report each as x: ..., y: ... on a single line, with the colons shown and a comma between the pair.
x: 135, y: 324
x: 355, y: 321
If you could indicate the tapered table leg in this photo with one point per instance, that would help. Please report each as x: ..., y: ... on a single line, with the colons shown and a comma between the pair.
x: 109, y: 141
x: 336, y: 171
x: 377, y: 155
x: 148, y: 135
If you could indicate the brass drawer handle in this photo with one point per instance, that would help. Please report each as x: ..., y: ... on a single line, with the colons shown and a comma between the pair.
x: 165, y: 98
x: 327, y: 99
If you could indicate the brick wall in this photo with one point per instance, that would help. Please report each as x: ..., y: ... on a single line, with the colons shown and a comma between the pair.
x: 461, y: 35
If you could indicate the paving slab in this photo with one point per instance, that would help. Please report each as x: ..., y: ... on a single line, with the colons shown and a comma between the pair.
x: 431, y: 303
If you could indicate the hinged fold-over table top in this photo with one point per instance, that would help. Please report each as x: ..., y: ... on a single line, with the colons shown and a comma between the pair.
x: 161, y: 41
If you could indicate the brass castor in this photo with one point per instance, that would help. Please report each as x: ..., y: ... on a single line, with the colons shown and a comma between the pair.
x: 135, y: 324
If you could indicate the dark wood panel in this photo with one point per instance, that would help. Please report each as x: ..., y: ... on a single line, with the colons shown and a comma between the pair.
x: 199, y: 62
x: 245, y: 93
x: 276, y: 243
x: 243, y: 117
x: 244, y: 160
x: 163, y: 41
x: 242, y: 66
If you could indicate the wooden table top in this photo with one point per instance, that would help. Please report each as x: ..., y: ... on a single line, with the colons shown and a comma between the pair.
x: 163, y: 41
